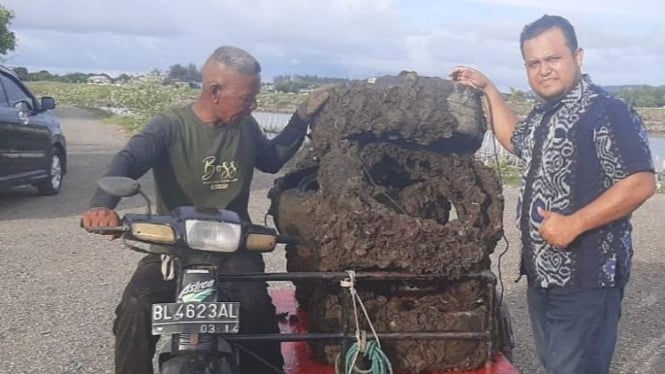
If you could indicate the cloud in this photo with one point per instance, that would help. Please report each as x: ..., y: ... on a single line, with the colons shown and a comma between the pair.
x: 125, y: 17
x: 66, y: 52
x: 651, y: 9
x: 348, y: 38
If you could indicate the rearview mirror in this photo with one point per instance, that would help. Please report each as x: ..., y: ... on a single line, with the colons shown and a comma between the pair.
x: 47, y: 103
x: 119, y: 186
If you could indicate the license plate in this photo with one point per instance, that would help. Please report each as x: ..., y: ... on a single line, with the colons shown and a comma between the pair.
x: 195, y: 318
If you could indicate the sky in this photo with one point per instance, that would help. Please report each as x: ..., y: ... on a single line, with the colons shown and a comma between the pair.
x: 624, y: 41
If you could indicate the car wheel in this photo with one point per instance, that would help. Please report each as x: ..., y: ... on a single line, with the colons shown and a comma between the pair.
x: 51, y: 186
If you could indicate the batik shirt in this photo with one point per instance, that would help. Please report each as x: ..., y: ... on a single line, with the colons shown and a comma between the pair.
x: 572, y: 150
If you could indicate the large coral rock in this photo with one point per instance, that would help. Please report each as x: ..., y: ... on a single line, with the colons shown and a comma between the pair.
x: 389, y: 183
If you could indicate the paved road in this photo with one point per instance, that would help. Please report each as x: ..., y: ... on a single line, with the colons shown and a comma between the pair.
x: 641, y: 345
x: 59, y: 286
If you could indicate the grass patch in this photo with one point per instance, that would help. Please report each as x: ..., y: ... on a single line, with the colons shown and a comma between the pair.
x: 95, y: 112
x: 125, y: 121
x: 141, y: 99
x: 145, y: 98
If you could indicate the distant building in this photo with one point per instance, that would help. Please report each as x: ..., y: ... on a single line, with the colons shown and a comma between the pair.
x: 268, y: 86
x: 100, y: 79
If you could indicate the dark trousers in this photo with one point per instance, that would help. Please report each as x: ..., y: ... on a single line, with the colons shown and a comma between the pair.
x: 575, y: 328
x: 134, y: 343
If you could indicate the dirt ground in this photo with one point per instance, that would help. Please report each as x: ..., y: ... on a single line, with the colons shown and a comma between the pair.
x: 61, y: 285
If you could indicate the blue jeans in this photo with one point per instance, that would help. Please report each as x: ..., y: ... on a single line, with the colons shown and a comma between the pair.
x: 575, y: 328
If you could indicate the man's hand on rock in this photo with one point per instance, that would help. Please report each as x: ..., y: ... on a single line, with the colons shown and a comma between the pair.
x: 313, y: 104
x: 470, y: 76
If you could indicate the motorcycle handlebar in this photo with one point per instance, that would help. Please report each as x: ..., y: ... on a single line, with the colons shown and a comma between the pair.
x: 108, y: 230
x: 288, y: 239
x: 104, y: 229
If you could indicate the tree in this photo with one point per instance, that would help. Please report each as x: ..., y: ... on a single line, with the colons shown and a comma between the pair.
x: 177, y: 72
x: 73, y: 78
x: 123, y: 78
x: 308, y: 80
x: 286, y: 83
x: 22, y: 73
x: 290, y: 86
x: 643, y: 96
x: 193, y: 73
x: 281, y: 78
x: 516, y: 95
x: 7, y: 38
x: 42, y: 75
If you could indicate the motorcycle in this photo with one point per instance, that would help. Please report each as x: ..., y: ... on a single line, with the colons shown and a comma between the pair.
x: 199, y: 331
x: 193, y: 330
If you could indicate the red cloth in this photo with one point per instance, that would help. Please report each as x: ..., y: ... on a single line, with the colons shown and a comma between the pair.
x: 298, y: 355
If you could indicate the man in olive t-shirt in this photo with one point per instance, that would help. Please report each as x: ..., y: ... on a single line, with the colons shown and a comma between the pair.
x: 203, y: 155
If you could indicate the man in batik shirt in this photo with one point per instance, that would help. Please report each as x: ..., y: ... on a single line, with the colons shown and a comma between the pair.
x: 586, y: 167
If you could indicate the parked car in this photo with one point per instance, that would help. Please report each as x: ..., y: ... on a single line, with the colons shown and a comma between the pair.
x: 32, y: 145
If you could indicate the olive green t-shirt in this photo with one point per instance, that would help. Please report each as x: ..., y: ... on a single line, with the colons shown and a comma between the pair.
x: 201, y: 165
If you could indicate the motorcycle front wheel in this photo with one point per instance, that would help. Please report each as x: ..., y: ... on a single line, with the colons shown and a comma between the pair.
x: 196, y: 363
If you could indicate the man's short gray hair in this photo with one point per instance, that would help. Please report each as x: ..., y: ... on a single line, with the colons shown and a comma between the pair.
x: 237, y: 59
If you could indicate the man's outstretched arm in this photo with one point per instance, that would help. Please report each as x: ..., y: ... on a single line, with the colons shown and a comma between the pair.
x: 503, y: 118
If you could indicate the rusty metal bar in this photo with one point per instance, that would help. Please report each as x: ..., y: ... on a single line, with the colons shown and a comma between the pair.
x: 344, y: 338
x: 345, y: 298
x: 480, y: 335
x: 491, y: 290
x: 361, y: 275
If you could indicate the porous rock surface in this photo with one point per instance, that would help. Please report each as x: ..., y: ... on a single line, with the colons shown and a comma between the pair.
x: 389, y: 183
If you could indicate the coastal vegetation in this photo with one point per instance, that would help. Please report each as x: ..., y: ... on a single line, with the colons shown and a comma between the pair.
x: 131, y: 103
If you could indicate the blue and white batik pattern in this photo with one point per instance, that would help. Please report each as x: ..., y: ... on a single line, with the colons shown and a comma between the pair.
x: 551, y: 187
x: 587, y: 131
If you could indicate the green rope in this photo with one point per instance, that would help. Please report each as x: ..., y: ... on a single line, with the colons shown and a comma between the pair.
x: 379, y: 361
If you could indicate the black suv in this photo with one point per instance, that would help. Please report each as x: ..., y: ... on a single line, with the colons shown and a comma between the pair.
x: 32, y: 144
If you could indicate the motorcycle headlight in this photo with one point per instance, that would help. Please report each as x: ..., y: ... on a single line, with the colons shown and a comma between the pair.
x: 212, y: 236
